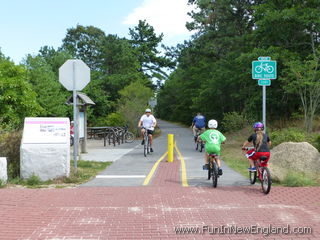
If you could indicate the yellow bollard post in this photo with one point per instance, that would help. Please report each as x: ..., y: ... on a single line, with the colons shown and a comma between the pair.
x: 170, y: 147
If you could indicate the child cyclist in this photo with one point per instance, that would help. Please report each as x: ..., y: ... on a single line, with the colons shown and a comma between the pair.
x: 261, y: 143
x: 213, y: 140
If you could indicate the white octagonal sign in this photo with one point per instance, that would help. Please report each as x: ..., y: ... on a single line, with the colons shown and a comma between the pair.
x: 77, y: 70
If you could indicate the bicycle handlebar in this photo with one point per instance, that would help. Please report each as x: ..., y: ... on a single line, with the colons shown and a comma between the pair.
x: 247, y: 148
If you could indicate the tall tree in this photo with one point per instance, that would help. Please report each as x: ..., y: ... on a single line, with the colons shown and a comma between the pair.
x: 54, y: 58
x: 50, y: 94
x: 295, y: 26
x: 85, y: 43
x: 17, y: 98
x: 145, y: 41
x: 292, y: 25
x: 305, y: 80
x: 133, y: 101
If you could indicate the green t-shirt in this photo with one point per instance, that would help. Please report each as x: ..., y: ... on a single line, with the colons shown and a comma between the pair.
x: 213, y: 139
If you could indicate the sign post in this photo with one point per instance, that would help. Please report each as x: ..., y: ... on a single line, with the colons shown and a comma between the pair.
x: 264, y: 70
x: 75, y: 117
x: 74, y: 75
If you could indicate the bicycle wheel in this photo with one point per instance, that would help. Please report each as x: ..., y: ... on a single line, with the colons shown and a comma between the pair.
x: 148, y: 145
x: 266, y: 180
x: 201, y: 146
x: 145, y: 145
x: 197, y: 146
x: 214, y: 174
x: 270, y: 69
x: 209, y: 169
x: 129, y: 137
x: 258, y: 69
x: 252, y: 177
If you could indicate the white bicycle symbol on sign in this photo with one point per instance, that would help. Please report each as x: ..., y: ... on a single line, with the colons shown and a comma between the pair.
x: 264, y: 67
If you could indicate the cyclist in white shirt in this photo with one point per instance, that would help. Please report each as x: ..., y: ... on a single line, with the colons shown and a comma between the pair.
x: 147, y: 122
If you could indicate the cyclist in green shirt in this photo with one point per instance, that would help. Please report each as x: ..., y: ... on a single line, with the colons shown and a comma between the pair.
x: 213, y: 140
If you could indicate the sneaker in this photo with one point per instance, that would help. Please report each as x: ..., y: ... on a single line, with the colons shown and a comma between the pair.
x: 252, y: 169
x: 205, y: 167
x: 220, y: 171
x: 142, y: 142
x: 151, y: 150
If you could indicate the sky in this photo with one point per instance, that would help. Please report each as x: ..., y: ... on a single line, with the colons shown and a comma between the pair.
x: 28, y: 25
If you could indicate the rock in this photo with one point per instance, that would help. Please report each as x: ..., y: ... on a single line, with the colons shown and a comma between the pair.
x: 47, y: 161
x: 3, y: 169
x: 299, y: 157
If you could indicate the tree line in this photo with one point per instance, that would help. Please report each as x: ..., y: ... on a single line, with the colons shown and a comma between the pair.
x: 124, y: 75
x: 210, y: 73
x: 213, y: 73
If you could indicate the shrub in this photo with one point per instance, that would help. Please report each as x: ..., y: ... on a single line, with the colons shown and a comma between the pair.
x: 233, y: 120
x: 316, y: 142
x: 33, y: 180
x: 10, y: 148
x: 2, y: 184
x: 113, y: 119
x: 288, y: 135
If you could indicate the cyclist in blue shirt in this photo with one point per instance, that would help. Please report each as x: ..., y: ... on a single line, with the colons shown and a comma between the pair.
x: 198, y: 125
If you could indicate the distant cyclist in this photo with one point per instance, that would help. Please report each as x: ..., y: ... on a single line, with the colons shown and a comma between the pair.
x: 147, y: 123
x: 198, y: 125
x: 213, y: 140
x: 261, y: 143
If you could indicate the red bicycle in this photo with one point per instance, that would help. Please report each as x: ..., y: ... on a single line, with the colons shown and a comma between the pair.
x: 263, y: 173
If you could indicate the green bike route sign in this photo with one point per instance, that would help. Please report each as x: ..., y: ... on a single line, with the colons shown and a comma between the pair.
x: 264, y: 69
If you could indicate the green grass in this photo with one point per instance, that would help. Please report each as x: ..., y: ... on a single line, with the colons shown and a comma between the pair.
x: 232, y: 154
x: 294, y: 179
x: 86, y: 170
x: 2, y: 184
x: 235, y: 159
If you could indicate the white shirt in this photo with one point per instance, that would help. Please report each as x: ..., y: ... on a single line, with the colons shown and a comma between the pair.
x: 148, y: 122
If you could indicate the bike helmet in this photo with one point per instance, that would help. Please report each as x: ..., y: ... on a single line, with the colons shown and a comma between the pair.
x: 212, y: 123
x: 148, y: 110
x: 258, y: 125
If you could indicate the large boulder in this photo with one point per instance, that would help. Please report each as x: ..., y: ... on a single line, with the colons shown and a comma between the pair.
x: 297, y: 157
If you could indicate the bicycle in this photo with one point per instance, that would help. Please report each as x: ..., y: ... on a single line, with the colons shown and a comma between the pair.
x: 263, y: 173
x: 264, y: 67
x: 146, y: 145
x: 213, y: 169
x: 128, y: 136
x: 199, y: 143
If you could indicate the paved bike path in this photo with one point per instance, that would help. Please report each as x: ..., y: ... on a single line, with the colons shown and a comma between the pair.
x: 132, y: 167
x: 195, y: 159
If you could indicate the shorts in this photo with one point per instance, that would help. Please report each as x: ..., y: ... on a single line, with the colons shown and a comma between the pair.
x: 198, y: 131
x: 217, y: 155
x: 149, y: 131
x: 253, y: 155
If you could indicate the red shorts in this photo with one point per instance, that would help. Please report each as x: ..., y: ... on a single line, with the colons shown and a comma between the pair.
x: 253, y: 155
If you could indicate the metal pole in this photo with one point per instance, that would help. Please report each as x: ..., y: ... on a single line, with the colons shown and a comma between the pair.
x: 84, y: 142
x: 75, y: 119
x: 264, y: 104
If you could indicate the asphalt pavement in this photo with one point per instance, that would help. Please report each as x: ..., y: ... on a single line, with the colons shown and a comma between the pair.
x: 130, y: 167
